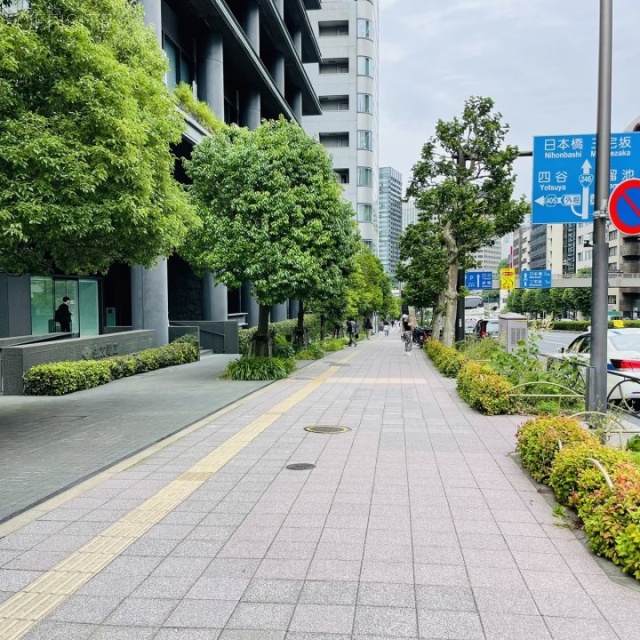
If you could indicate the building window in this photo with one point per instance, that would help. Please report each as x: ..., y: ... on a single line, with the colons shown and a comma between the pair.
x: 335, y: 65
x: 365, y: 103
x: 343, y: 175
x: 612, y: 299
x: 329, y: 140
x: 180, y: 66
x: 334, y: 103
x: 333, y: 28
x: 613, y: 235
x: 613, y: 251
x: 369, y: 245
x: 365, y: 212
x: 613, y: 266
x: 365, y: 140
x: 365, y: 29
x: 365, y: 66
x: 365, y: 177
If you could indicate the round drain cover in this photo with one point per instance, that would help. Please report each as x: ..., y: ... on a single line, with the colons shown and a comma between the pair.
x: 301, y: 466
x: 326, y: 428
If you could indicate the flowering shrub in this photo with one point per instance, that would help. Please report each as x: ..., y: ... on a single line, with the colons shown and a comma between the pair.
x: 447, y: 360
x: 484, y: 390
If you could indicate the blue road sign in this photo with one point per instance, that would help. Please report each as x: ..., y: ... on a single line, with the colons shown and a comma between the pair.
x: 564, y: 170
x: 478, y: 280
x: 535, y: 279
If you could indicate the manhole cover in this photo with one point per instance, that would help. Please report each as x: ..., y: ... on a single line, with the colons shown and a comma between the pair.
x: 326, y: 428
x: 301, y: 466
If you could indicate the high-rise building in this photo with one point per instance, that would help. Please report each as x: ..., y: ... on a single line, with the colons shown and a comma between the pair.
x: 409, y: 213
x: 488, y: 257
x: 390, y: 225
x: 346, y: 81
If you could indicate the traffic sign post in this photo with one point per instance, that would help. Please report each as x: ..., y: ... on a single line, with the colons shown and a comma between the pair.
x: 479, y: 280
x: 507, y: 279
x: 624, y: 207
x: 535, y: 279
x: 564, y: 174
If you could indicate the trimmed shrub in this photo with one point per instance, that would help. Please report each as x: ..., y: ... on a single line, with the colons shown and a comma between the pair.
x: 312, y: 352
x: 539, y: 438
x: 59, y: 378
x: 259, y: 368
x: 447, y: 360
x: 612, y: 518
x: 572, y: 474
x: 633, y: 444
x: 484, y: 390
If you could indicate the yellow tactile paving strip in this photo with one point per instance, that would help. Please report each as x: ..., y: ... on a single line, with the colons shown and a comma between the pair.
x: 26, y: 608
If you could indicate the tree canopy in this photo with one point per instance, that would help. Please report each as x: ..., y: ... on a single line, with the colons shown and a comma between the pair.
x: 464, y: 181
x: 85, y: 127
x: 273, y: 214
x: 370, y: 288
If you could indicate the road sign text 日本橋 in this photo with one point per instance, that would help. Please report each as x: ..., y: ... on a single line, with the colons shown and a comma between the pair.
x: 564, y: 174
x: 535, y: 279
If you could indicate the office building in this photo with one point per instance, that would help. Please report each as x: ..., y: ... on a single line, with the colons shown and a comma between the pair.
x: 346, y: 82
x: 409, y: 213
x: 246, y: 59
x: 390, y: 219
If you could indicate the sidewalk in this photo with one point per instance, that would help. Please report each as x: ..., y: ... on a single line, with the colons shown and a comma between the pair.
x: 417, y: 523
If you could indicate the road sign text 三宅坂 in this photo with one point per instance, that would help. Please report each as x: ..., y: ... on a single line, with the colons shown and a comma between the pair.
x: 564, y: 174
x: 535, y: 279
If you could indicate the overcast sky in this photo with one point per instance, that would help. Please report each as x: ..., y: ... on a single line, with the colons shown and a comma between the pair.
x: 536, y: 58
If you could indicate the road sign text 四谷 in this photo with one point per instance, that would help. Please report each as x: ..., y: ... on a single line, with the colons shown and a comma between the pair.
x: 564, y: 174
x: 478, y: 280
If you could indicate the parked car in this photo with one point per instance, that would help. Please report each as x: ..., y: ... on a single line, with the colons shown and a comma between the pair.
x: 623, y: 355
x: 487, y: 328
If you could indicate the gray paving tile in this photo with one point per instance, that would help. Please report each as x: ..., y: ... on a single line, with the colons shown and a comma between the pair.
x: 274, y: 591
x: 503, y: 626
x: 85, y: 609
x: 15, y: 580
x: 495, y: 577
x: 248, y: 634
x: 316, y: 618
x: 60, y: 631
x: 142, y: 612
x: 445, y: 598
x: 550, y: 581
x: 261, y: 615
x: 562, y: 628
x: 125, y: 633
x: 574, y: 604
x: 36, y: 560
x: 231, y: 568
x: 380, y: 594
x: 164, y: 587
x: 279, y: 569
x: 316, y: 636
x: 454, y: 625
x: 500, y: 558
x: 180, y: 633
x: 133, y: 565
x: 398, y: 572
x: 385, y: 621
x: 329, y: 592
x: 445, y: 575
x: 182, y: 566
x: 500, y: 600
x: 438, y: 555
x: 218, y: 588
x: 201, y: 614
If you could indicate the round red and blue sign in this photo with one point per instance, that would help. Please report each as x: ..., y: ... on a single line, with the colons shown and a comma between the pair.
x: 624, y: 207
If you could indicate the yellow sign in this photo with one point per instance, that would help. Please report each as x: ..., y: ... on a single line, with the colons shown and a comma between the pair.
x: 618, y: 324
x: 507, y: 279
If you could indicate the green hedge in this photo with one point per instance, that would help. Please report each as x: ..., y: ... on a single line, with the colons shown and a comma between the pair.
x: 611, y: 516
x: 540, y: 439
x: 485, y: 390
x: 447, y: 360
x: 286, y: 328
x: 59, y: 378
x: 583, y: 325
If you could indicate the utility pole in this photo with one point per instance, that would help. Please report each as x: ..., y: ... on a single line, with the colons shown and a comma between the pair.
x: 597, y: 388
x: 459, y: 334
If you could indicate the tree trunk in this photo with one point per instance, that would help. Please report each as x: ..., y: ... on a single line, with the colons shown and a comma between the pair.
x: 436, y: 321
x: 451, y: 292
x: 323, y: 322
x: 261, y: 340
x: 298, y: 338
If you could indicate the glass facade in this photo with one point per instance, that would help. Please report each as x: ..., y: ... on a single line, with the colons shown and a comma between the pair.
x: 365, y: 66
x: 365, y: 103
x: 365, y: 140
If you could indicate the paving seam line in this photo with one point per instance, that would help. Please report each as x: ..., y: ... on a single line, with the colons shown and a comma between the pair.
x: 34, y: 602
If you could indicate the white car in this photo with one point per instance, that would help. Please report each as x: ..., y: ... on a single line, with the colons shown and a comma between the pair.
x: 623, y: 355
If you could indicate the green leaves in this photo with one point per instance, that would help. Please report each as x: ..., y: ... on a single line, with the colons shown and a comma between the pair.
x: 272, y: 213
x: 85, y: 127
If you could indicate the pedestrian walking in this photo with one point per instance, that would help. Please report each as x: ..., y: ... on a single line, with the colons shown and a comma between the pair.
x: 368, y: 327
x: 407, y: 336
x: 385, y: 325
x: 352, y: 332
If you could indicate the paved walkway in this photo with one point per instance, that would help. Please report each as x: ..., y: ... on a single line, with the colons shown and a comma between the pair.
x: 417, y: 523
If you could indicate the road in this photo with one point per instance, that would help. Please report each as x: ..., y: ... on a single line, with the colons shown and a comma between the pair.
x: 551, y: 341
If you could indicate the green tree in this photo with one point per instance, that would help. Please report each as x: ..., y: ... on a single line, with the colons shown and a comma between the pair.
x: 558, y: 303
x: 581, y: 298
x: 273, y: 215
x: 464, y: 181
x: 85, y: 127
x: 423, y: 267
x: 530, y: 302
x: 543, y: 300
x: 370, y: 287
x: 514, y: 301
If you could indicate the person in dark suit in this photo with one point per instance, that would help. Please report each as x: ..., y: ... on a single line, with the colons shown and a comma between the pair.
x: 63, y: 315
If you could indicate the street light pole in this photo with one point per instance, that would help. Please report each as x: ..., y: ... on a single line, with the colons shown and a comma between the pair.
x: 597, y: 391
x: 460, y: 320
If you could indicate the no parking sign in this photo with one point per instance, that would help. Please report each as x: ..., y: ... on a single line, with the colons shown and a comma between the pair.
x: 624, y: 207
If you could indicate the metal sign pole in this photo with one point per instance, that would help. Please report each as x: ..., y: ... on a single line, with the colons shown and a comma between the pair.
x: 597, y: 399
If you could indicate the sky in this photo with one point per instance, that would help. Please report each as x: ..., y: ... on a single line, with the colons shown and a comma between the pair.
x: 538, y: 59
